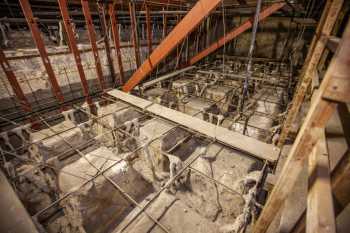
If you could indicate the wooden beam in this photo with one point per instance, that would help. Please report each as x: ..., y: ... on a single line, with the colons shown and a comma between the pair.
x: 320, y: 211
x: 319, y: 113
x: 310, y: 66
x: 195, y: 16
x: 235, y: 32
x: 225, y: 136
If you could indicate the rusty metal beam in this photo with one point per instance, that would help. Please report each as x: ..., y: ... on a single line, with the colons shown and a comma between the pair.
x: 236, y: 32
x: 11, y: 77
x: 195, y: 16
x: 104, y: 31
x: 115, y: 32
x: 92, y: 38
x: 27, y: 11
x: 149, y: 30
x: 73, y: 47
x: 134, y: 33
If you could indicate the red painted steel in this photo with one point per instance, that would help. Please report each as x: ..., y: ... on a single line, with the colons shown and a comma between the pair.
x: 149, y: 30
x: 73, y: 47
x: 195, y: 16
x: 134, y: 33
x: 92, y: 37
x: 27, y: 11
x: 104, y: 30
x: 11, y: 77
x: 115, y: 32
x: 235, y: 32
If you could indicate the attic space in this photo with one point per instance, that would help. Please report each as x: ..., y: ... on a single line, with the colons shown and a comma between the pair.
x: 174, y: 116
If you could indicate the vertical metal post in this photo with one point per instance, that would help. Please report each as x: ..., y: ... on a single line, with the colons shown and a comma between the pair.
x: 250, y: 54
x: 115, y: 32
x: 92, y: 37
x: 102, y: 15
x: 14, y: 83
x: 164, y: 24
x: 149, y: 30
x: 134, y: 33
x: 73, y: 47
x: 27, y: 11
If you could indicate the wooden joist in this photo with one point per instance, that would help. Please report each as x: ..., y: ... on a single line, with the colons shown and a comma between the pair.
x: 230, y: 138
x: 316, y: 49
x: 320, y: 211
x: 320, y: 111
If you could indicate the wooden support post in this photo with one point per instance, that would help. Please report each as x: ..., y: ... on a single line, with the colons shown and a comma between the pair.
x: 92, y: 38
x: 310, y: 66
x: 195, y: 16
x: 320, y: 211
x: 115, y: 32
x: 11, y: 77
x: 235, y: 32
x: 73, y: 47
x: 27, y: 11
x: 102, y: 15
x: 134, y: 31
x: 149, y: 30
x: 320, y: 111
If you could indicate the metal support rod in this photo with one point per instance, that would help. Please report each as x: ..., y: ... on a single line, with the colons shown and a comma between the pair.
x: 74, y: 49
x: 134, y: 33
x: 149, y: 29
x: 165, y: 26
x: 92, y: 38
x: 131, y: 199
x: 115, y: 32
x: 235, y: 32
x: 11, y: 77
x: 27, y: 11
x: 104, y: 32
x: 250, y: 54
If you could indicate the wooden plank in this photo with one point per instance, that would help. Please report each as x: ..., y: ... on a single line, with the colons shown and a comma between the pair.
x: 317, y: 117
x: 230, y: 138
x: 320, y: 211
x: 310, y: 66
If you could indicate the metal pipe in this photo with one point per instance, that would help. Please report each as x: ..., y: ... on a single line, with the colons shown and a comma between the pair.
x: 134, y: 33
x: 250, y: 54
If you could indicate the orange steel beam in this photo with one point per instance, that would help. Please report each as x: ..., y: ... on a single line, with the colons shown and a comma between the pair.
x: 115, y: 32
x: 195, y: 16
x: 149, y: 30
x: 27, y: 11
x: 235, y: 32
x: 14, y: 83
x: 73, y: 47
x: 104, y: 32
x: 134, y: 33
x: 92, y: 37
